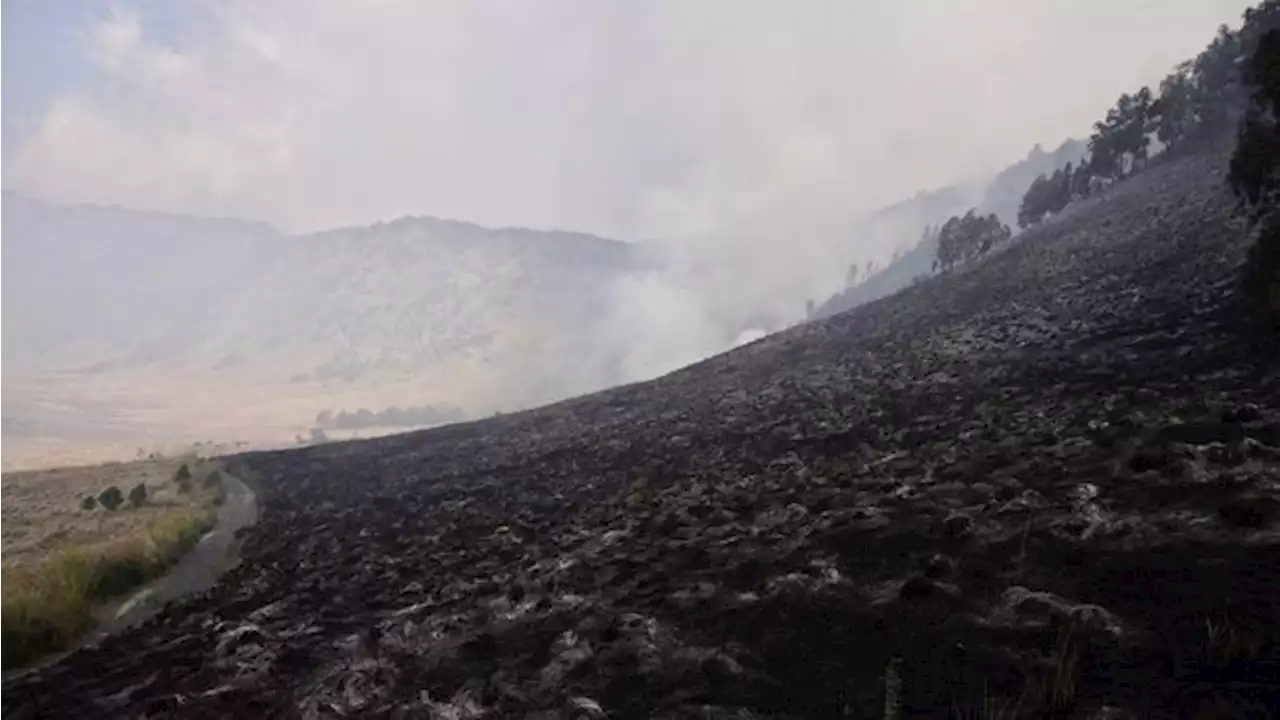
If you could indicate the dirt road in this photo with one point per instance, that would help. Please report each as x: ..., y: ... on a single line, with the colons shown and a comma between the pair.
x: 198, y: 570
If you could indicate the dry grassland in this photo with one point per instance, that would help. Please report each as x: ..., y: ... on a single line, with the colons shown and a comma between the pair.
x: 61, y: 560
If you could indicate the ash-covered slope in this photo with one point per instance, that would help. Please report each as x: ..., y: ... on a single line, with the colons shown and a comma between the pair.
x: 1071, y: 435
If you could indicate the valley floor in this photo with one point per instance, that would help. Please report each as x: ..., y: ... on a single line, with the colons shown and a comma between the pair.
x: 1052, y: 479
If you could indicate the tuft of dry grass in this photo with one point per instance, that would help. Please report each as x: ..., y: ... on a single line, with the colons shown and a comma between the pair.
x: 1225, y: 642
x: 49, y: 604
x: 893, y: 689
x: 60, y: 560
x: 1060, y: 684
x: 993, y: 707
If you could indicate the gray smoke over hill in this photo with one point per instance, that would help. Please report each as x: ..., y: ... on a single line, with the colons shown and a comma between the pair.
x: 742, y: 143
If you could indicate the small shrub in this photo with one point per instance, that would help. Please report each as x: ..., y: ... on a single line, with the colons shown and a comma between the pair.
x: 138, y: 495
x: 115, y: 573
x: 111, y: 498
x: 182, y: 475
x: 213, y: 479
x: 89, y: 503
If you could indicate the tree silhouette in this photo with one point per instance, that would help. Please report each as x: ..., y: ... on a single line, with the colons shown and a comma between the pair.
x: 111, y: 498
x: 1254, y: 175
x: 1196, y: 102
x: 1254, y: 172
x: 967, y: 238
x: 138, y: 495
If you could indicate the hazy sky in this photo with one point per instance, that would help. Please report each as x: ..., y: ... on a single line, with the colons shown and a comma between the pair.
x: 623, y: 118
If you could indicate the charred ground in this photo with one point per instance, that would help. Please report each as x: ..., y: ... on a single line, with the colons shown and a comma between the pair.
x: 1074, y: 440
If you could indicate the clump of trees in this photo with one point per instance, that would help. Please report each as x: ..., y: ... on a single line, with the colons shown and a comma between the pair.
x: 857, y: 274
x: 968, y: 237
x: 1049, y: 195
x: 390, y: 417
x: 1254, y: 176
x: 1197, y: 103
x: 113, y: 498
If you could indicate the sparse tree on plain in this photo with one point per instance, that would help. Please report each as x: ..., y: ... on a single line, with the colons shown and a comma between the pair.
x: 138, y: 495
x: 111, y: 498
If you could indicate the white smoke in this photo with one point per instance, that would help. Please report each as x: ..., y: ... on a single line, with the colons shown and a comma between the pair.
x: 746, y: 137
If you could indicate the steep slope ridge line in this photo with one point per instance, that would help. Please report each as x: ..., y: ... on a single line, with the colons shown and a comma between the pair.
x: 1074, y: 431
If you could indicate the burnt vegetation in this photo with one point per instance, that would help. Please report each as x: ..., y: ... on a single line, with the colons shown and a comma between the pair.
x: 1047, y: 486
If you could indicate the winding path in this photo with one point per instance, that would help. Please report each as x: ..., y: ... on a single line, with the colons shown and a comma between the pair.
x: 197, y: 571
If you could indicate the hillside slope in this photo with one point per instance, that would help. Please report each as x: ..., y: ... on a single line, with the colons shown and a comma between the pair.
x: 1071, y: 435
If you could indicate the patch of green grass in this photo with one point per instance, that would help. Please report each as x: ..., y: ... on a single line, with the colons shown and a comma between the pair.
x: 48, y: 605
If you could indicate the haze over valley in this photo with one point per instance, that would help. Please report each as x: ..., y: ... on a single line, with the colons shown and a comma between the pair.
x: 583, y: 360
x: 372, y: 253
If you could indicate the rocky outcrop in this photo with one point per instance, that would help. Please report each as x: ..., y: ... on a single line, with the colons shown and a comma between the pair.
x: 1051, y: 480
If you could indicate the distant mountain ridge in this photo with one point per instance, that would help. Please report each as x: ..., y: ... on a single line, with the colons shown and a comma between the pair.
x: 103, y: 305
x: 416, y: 311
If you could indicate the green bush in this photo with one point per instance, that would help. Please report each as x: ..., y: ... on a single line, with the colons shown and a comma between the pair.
x: 138, y: 495
x: 111, y: 498
x: 89, y: 503
x: 115, y: 574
